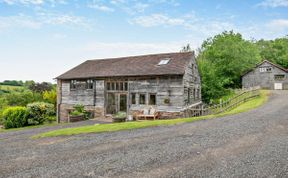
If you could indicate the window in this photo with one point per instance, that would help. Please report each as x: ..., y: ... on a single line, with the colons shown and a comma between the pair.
x: 189, y: 94
x: 164, y: 61
x: 152, y: 99
x: 194, y: 93
x: 108, y: 86
x: 265, y: 69
x: 198, y: 93
x: 118, y: 86
x: 279, y: 77
x: 133, y: 98
x: 73, y: 84
x: 142, y: 99
x: 89, y: 84
x: 81, y: 84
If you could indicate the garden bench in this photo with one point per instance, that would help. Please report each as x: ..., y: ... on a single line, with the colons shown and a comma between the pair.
x: 148, y: 113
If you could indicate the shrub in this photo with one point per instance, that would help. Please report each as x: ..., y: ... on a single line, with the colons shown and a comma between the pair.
x: 39, y: 112
x: 14, y: 117
x: 76, y: 113
x: 51, y: 119
x: 120, y: 115
x: 79, y: 110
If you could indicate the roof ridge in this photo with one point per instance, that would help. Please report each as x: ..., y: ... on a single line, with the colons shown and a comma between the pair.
x: 144, y: 55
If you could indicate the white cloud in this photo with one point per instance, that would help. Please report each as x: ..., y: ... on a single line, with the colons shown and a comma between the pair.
x: 101, y: 8
x: 19, y: 21
x: 33, y: 2
x: 41, y: 19
x: 140, y: 7
x: 25, y: 2
x: 99, y: 5
x: 278, y: 24
x: 157, y: 20
x: 189, y: 21
x: 274, y: 3
x: 103, y: 50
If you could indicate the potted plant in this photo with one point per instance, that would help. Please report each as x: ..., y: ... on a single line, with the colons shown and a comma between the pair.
x: 78, y: 114
x: 119, y: 117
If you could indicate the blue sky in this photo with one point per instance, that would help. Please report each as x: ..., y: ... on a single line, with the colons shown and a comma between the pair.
x: 40, y: 39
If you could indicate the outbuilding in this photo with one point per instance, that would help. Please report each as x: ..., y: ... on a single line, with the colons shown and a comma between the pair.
x: 267, y: 75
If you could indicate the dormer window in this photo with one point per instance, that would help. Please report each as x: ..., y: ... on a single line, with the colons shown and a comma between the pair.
x: 164, y: 61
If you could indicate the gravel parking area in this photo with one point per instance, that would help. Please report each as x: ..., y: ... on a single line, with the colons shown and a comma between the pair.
x: 251, y: 144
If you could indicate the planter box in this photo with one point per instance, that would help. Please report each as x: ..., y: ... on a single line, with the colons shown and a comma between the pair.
x: 76, y: 118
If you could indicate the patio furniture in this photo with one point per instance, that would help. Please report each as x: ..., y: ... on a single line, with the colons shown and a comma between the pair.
x: 148, y: 113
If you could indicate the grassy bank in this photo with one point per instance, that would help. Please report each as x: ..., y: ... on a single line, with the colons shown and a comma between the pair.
x: 30, y: 127
x: 251, y: 104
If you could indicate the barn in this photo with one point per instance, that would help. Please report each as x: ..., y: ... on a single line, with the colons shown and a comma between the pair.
x: 267, y: 75
x: 167, y: 82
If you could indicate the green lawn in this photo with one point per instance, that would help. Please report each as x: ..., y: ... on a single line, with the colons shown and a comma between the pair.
x: 10, y: 87
x: 30, y: 127
x: 251, y: 104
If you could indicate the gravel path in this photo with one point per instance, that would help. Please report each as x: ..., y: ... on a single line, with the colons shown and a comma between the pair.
x: 251, y: 144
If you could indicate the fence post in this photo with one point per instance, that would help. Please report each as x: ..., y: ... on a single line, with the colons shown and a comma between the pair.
x: 221, y: 105
x: 202, y: 110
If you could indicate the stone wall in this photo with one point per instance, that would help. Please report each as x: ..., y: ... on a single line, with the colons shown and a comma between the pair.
x: 66, y: 108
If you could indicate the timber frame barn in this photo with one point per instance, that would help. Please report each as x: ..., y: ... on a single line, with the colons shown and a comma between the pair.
x: 266, y: 75
x: 168, y: 82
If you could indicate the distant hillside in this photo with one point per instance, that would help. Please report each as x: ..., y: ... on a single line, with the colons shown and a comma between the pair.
x: 8, y: 88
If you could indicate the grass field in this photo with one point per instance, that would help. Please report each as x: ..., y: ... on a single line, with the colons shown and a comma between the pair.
x: 251, y: 104
x: 10, y: 88
x: 30, y: 127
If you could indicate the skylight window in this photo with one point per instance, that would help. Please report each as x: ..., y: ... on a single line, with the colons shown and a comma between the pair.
x: 164, y: 62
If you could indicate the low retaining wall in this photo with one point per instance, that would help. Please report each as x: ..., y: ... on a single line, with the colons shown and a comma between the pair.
x: 64, y: 110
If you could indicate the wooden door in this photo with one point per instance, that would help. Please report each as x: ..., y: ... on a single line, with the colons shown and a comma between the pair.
x: 123, y: 102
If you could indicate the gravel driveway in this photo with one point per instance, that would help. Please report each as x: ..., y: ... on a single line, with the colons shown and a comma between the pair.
x: 251, y: 144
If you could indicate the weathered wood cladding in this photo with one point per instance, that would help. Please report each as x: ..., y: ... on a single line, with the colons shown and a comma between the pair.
x: 169, y: 92
x: 76, y: 96
x: 265, y: 80
x: 167, y: 87
x: 192, y: 83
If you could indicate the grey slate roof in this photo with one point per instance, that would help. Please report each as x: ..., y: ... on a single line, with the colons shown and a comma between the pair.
x: 145, y: 65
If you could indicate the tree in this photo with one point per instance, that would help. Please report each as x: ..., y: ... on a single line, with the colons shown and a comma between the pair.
x: 12, y: 82
x: 50, y: 96
x: 41, y: 87
x: 275, y: 51
x: 222, y: 60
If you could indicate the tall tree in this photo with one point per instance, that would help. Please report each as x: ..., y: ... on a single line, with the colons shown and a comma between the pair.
x: 222, y: 60
x: 274, y: 50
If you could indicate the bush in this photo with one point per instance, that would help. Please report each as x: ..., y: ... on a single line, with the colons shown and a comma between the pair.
x: 76, y: 113
x: 39, y: 112
x: 14, y: 117
x: 51, y: 119
x: 80, y: 110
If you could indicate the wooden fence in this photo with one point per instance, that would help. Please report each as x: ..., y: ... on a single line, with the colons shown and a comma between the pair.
x: 201, y: 110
